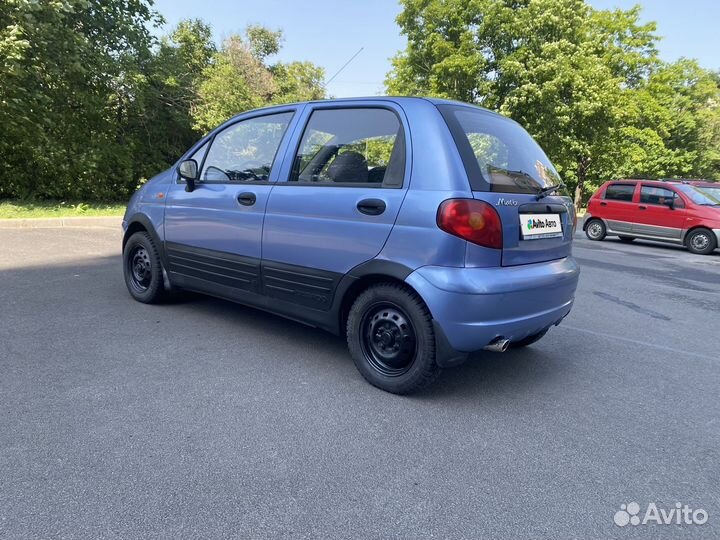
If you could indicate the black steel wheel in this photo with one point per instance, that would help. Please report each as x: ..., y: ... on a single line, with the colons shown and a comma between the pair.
x: 142, y: 269
x: 391, y: 338
x: 388, y: 339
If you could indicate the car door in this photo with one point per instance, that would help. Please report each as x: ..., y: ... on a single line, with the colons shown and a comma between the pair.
x: 213, y: 234
x: 619, y: 206
x: 336, y: 200
x: 661, y: 213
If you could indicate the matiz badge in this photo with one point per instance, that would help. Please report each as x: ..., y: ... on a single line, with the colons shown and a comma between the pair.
x: 506, y: 202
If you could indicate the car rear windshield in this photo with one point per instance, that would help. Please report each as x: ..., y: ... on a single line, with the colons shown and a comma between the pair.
x: 498, y: 153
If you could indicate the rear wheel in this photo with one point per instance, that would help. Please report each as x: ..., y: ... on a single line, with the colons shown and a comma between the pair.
x: 142, y: 269
x: 595, y: 230
x: 391, y: 339
x: 626, y: 239
x: 701, y: 241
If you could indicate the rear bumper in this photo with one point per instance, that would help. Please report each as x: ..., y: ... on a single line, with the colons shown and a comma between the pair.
x: 473, y: 306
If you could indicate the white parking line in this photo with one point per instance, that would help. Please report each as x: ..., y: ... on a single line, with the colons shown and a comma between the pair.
x: 637, y: 342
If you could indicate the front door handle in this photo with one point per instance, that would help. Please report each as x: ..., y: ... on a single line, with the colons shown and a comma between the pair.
x: 246, y: 198
x: 603, y: 204
x: 642, y: 207
x: 371, y: 207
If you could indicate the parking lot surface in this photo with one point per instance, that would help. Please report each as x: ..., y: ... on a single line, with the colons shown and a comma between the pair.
x: 202, y: 418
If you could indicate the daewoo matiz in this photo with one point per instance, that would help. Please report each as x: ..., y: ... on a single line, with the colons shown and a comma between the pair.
x: 686, y: 213
x: 420, y: 229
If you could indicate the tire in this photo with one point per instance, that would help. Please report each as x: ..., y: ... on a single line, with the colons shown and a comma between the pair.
x: 142, y: 269
x: 528, y: 340
x: 391, y: 339
x: 627, y: 239
x: 701, y: 241
x: 595, y: 230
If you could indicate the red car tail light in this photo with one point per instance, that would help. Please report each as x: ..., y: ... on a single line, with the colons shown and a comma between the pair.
x: 471, y: 220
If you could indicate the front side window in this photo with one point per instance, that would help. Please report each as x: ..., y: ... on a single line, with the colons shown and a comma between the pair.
x: 199, y: 154
x: 620, y: 192
x: 498, y: 154
x: 659, y: 196
x: 702, y: 195
x: 351, y: 146
x: 245, y: 151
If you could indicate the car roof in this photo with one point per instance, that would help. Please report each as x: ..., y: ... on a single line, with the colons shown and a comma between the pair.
x: 665, y: 182
x: 400, y: 100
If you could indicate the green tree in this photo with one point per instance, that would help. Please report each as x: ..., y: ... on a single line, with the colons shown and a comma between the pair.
x: 91, y: 103
x: 239, y: 78
x: 69, y: 78
x: 587, y: 84
x: 161, y: 122
x: 298, y: 81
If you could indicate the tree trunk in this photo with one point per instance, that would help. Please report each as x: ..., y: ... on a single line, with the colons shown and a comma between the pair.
x: 583, y: 164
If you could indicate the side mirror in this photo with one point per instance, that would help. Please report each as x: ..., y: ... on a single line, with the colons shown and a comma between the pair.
x: 188, y: 170
x: 670, y: 203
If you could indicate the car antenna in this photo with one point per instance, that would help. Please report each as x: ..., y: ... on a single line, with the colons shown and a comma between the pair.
x: 343, y: 66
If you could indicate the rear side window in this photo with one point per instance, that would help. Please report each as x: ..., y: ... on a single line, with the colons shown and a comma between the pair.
x: 351, y: 146
x: 620, y: 192
x: 498, y: 154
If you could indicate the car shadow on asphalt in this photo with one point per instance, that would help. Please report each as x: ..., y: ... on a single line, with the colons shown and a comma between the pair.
x: 484, y: 374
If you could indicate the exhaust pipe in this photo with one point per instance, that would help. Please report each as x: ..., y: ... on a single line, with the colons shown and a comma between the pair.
x: 500, y: 344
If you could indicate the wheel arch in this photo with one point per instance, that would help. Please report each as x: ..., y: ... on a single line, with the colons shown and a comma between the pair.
x: 138, y: 223
x: 361, y: 278
x: 588, y: 218
x: 692, y: 230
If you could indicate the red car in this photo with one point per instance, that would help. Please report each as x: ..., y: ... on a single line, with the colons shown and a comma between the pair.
x: 679, y: 212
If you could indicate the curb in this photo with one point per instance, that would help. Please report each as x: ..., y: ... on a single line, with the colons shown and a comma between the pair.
x: 107, y: 222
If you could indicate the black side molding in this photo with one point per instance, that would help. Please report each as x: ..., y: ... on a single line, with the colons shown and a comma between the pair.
x: 380, y: 266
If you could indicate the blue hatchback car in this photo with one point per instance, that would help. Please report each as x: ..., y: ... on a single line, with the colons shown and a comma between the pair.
x: 421, y: 229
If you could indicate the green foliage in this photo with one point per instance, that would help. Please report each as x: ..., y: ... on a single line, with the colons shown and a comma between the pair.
x: 91, y: 103
x: 238, y: 78
x: 587, y: 84
x: 68, y: 82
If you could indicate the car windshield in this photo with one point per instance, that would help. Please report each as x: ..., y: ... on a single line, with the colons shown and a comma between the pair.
x: 706, y: 196
x: 498, y: 154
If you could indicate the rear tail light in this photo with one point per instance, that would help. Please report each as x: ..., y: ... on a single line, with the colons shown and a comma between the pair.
x: 471, y: 220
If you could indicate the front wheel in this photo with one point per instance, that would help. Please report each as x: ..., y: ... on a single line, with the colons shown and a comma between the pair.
x: 391, y: 339
x: 701, y: 241
x: 595, y: 230
x: 142, y: 269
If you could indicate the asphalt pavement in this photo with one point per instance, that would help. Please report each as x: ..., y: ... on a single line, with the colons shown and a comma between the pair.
x: 204, y: 419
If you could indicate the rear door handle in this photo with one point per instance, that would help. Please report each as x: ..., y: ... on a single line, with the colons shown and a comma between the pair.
x: 246, y: 198
x: 642, y: 207
x: 371, y: 207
